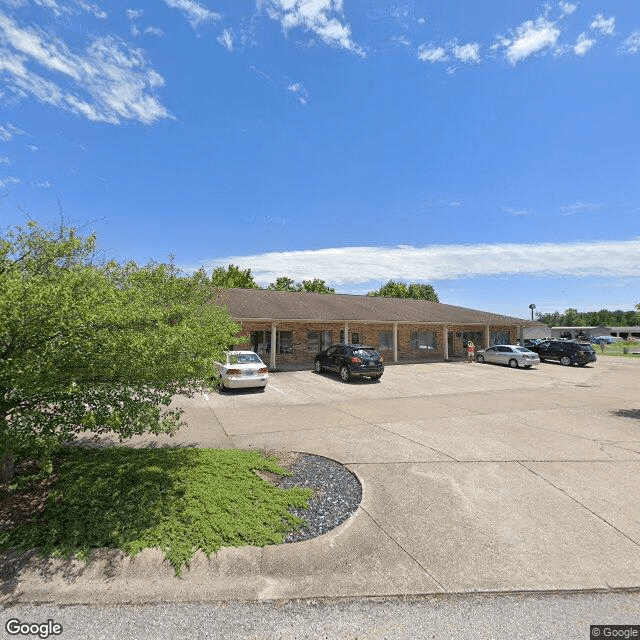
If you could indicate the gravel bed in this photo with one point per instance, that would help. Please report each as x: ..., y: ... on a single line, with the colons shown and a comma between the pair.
x: 336, y: 494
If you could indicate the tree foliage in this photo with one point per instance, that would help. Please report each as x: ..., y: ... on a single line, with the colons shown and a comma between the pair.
x: 284, y: 283
x: 232, y: 277
x: 417, y: 291
x: 99, y: 347
x: 604, y: 317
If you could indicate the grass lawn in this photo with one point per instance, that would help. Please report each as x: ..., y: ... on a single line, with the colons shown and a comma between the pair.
x: 617, y: 349
x: 179, y: 500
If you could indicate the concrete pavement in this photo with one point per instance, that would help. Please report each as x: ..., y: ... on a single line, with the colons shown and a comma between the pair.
x: 476, y: 478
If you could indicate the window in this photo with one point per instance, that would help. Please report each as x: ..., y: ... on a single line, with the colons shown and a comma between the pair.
x: 313, y: 341
x: 260, y: 342
x: 285, y: 342
x: 386, y: 340
x: 325, y: 339
x: 423, y: 340
x: 500, y: 337
x: 355, y: 338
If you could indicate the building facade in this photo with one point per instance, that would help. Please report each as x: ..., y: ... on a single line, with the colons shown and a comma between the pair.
x: 291, y: 328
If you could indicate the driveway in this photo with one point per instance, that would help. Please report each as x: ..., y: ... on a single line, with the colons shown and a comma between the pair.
x: 476, y: 478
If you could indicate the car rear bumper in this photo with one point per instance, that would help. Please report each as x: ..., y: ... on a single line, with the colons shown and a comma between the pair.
x: 361, y: 372
x: 244, y: 382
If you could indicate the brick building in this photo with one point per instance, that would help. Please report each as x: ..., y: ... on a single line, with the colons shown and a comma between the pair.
x: 291, y: 327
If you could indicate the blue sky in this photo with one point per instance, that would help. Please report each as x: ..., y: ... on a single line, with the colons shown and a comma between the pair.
x: 489, y: 148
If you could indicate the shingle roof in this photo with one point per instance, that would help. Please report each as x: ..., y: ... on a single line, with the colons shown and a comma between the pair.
x: 264, y: 304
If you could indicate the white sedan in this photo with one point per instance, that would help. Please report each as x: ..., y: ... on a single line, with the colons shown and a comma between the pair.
x: 242, y: 369
x: 513, y: 355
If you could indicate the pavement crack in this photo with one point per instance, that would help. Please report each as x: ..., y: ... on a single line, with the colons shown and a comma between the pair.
x: 584, y: 506
x: 377, y: 426
x: 404, y: 550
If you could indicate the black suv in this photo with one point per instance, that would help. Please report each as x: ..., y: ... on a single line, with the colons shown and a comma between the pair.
x: 566, y: 352
x: 351, y: 360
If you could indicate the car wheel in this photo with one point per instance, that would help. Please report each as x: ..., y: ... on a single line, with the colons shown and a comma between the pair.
x: 345, y: 374
x: 222, y: 387
x: 480, y: 359
x: 318, y: 366
x: 565, y: 360
x: 541, y: 359
x: 513, y: 363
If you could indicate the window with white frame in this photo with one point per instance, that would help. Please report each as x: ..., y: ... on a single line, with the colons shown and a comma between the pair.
x: 423, y: 340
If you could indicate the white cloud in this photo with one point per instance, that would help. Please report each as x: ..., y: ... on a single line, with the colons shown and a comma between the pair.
x: 583, y: 44
x: 134, y: 14
x: 517, y: 212
x: 9, y: 180
x: 606, y: 26
x: 631, y: 44
x: 579, y: 207
x: 8, y: 131
x: 532, y: 36
x: 300, y: 92
x: 93, y: 9
x: 469, y: 53
x: 352, y: 265
x: 567, y: 8
x: 324, y: 18
x: 5, y: 160
x: 44, y: 184
x: 429, y: 53
x: 108, y: 81
x: 154, y: 31
x: 226, y: 39
x: 421, y: 21
x: 32, y: 147
x: 194, y: 12
x: 402, y: 40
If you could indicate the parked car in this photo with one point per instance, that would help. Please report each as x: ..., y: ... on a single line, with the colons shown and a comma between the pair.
x: 531, y: 342
x: 513, y: 355
x: 602, y: 340
x: 242, y: 369
x: 567, y: 353
x: 351, y: 361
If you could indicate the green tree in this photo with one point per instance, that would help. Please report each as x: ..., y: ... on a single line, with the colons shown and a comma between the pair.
x: 314, y: 286
x: 232, y: 277
x: 98, y: 347
x: 282, y: 284
x: 417, y: 291
x: 285, y: 283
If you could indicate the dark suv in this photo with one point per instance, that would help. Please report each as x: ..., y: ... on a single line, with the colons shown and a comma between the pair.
x: 351, y: 360
x: 565, y: 352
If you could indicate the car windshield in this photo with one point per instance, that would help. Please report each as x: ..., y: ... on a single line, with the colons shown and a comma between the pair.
x: 366, y: 354
x: 243, y: 358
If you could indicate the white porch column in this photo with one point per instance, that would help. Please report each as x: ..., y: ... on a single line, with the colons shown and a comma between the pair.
x: 346, y: 333
x: 487, y: 336
x: 272, y: 359
x: 395, y: 342
x: 445, y: 337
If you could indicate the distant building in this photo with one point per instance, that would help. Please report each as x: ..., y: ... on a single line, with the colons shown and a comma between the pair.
x: 594, y: 332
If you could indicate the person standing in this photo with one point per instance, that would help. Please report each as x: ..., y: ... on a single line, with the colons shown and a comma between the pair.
x: 471, y: 351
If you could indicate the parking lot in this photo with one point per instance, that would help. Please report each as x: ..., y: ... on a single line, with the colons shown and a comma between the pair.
x: 476, y: 478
